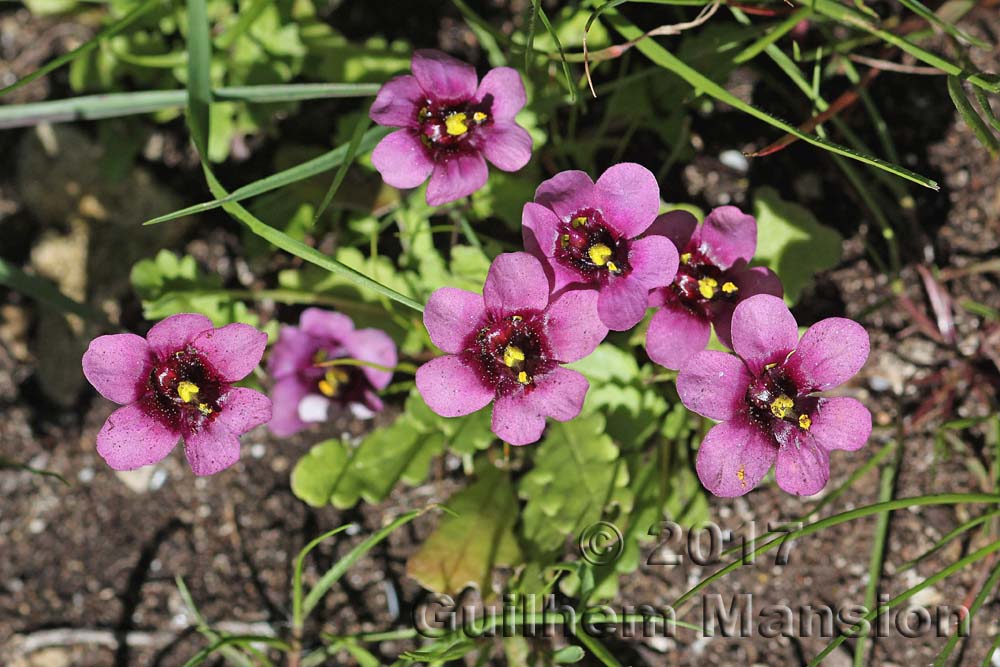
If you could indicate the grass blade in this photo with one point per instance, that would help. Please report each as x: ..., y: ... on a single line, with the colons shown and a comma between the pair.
x: 300, y: 564
x: 113, y: 105
x: 334, y: 574
x: 877, y: 561
x: 965, y: 628
x: 308, y: 169
x: 903, y: 597
x: 979, y: 127
x: 849, y: 16
x: 836, y: 519
x: 924, y: 12
x: 773, y: 35
x: 46, y: 293
x: 984, y: 103
x: 338, y: 179
x: 87, y: 46
x: 570, y: 84
x: 669, y: 61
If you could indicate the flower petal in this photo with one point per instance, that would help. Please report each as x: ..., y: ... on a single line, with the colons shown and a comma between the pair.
x: 242, y: 409
x: 233, y: 351
x: 566, y: 193
x: 654, y: 261
x: 830, y: 353
x: 211, y: 449
x: 539, y: 229
x: 292, y: 352
x: 764, y: 331
x: 506, y: 144
x: 677, y: 225
x: 326, y: 325
x: 840, y: 423
x: 573, y: 327
x: 629, y: 197
x: 506, y: 91
x: 175, y: 332
x: 451, y: 387
x: 375, y: 346
x: 752, y: 281
x: 803, y: 467
x: 398, y: 102
x: 455, y: 177
x: 714, y: 384
x: 519, y: 419
x: 516, y: 281
x: 451, y: 314
x: 514, y: 424
x: 675, y: 334
x: 621, y: 304
x: 132, y: 438
x: 285, y: 398
x: 727, y: 235
x: 443, y: 77
x: 733, y: 458
x: 118, y: 366
x: 402, y: 160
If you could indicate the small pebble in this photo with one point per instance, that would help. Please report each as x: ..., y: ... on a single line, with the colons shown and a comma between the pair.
x: 735, y: 160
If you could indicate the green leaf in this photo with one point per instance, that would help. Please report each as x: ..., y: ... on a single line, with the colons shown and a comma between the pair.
x: 792, y: 242
x: 568, y: 655
x: 577, y: 474
x: 465, y: 548
x: 336, y: 473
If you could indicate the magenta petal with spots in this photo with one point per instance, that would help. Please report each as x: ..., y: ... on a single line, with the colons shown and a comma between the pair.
x: 711, y: 280
x: 764, y: 397
x: 592, y: 236
x: 450, y: 121
x: 675, y: 334
x: 176, y: 384
x: 325, y: 361
x: 508, y: 347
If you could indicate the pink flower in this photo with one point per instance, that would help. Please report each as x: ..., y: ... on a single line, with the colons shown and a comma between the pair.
x: 305, y: 388
x: 712, y: 278
x: 763, y: 397
x: 589, y: 235
x: 450, y: 121
x: 177, y: 383
x: 509, y: 345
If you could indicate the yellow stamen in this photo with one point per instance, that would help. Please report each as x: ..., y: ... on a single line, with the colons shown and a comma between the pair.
x: 187, y: 391
x: 423, y: 114
x: 599, y: 254
x: 332, y: 381
x: 685, y: 258
x: 205, y: 409
x: 479, y: 116
x: 516, y: 318
x: 707, y: 286
x: 612, y: 267
x: 771, y: 365
x: 564, y: 240
x: 523, y: 378
x: 580, y: 221
x: 805, y: 422
x: 781, y: 406
x: 730, y: 287
x: 741, y: 474
x: 512, y: 356
x: 454, y: 124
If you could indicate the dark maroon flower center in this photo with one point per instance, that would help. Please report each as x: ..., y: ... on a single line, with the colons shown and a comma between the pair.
x: 339, y: 382
x: 590, y: 247
x: 700, y: 283
x: 511, y: 352
x: 773, y: 397
x: 184, y: 391
x: 448, y: 127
